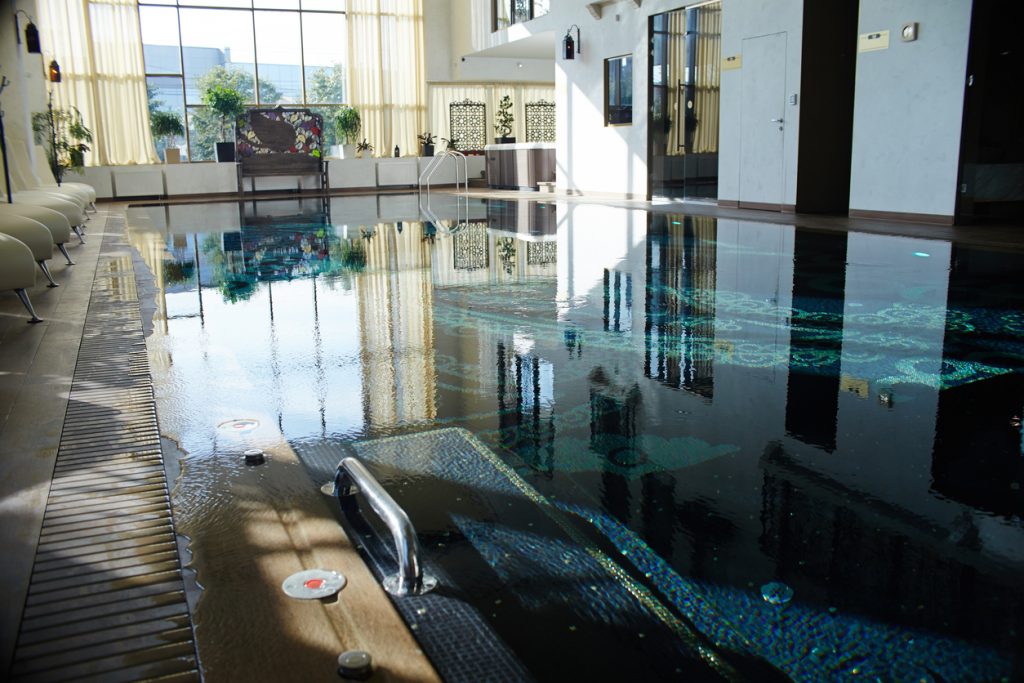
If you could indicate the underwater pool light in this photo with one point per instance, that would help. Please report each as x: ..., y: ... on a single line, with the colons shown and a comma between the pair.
x: 676, y: 223
x: 922, y: 254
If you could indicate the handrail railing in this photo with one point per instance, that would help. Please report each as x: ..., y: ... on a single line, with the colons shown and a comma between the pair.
x: 435, y: 164
x: 410, y: 579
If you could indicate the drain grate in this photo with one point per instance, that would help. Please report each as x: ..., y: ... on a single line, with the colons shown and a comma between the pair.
x: 106, y: 599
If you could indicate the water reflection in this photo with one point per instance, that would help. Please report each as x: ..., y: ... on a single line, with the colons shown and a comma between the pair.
x: 751, y: 402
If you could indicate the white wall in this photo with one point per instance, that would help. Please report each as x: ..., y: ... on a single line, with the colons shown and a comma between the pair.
x: 26, y: 92
x: 908, y: 108
x: 468, y: 32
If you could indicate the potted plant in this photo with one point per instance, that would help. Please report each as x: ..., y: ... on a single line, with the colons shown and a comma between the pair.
x: 166, y: 125
x: 65, y: 136
x: 427, y: 143
x: 228, y: 104
x: 362, y: 147
x: 346, y: 126
x: 450, y: 144
x: 503, y: 121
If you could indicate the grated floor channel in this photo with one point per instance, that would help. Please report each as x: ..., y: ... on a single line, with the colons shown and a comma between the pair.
x: 106, y: 599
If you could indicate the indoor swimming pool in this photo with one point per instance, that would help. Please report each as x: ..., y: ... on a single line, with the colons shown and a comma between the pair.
x: 660, y: 445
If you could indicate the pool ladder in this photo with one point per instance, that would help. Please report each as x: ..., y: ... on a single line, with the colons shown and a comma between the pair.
x: 460, y: 196
x: 352, y: 477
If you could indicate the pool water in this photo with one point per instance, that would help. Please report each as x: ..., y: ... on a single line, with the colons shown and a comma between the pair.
x: 806, y: 446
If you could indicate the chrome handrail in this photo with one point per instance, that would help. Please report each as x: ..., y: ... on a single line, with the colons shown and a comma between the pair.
x: 410, y: 579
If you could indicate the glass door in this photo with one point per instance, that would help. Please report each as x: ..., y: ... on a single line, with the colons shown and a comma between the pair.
x: 682, y: 128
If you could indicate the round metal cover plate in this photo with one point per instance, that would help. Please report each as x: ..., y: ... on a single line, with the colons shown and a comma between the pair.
x: 313, y: 584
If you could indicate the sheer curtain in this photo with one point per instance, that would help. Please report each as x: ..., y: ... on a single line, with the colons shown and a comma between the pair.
x: 385, y: 71
x: 99, y: 49
x: 443, y: 94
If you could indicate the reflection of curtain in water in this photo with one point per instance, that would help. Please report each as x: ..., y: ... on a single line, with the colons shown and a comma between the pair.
x: 680, y: 319
x: 705, y: 78
x: 396, y: 327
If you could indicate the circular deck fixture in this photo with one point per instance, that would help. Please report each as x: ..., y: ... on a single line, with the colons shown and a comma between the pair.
x: 313, y: 584
x: 356, y: 664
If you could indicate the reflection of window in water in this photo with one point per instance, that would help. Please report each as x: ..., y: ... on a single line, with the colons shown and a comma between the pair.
x: 526, y: 399
x: 614, y: 412
x: 618, y: 301
x: 679, y: 328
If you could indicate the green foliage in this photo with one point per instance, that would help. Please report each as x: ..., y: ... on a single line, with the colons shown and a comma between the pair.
x: 347, y: 123
x: 227, y: 103
x: 364, y: 146
x: 503, y: 119
x: 205, y: 124
x: 165, y: 124
x: 427, y: 138
x: 324, y: 86
x: 64, y: 136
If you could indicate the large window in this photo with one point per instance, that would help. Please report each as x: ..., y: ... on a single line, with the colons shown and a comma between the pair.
x: 508, y: 12
x: 287, y: 52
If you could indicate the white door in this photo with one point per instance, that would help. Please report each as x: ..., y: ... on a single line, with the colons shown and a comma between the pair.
x: 762, y: 124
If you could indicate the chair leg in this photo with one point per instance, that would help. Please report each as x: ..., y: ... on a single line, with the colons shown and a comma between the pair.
x: 64, y: 250
x: 46, y: 271
x: 92, y: 205
x: 78, y: 231
x: 28, y: 304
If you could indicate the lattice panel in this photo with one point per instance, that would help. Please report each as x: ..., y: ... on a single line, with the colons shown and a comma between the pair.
x: 541, y: 253
x: 540, y: 121
x: 470, y: 247
x: 468, y: 124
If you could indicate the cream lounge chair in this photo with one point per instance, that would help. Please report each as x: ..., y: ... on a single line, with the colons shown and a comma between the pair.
x: 56, y: 222
x: 72, y: 211
x: 17, y: 271
x: 23, y: 179
x: 35, y: 236
x: 46, y: 180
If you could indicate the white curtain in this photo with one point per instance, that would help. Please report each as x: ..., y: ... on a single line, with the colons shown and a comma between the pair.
x: 99, y: 49
x: 385, y: 71
x: 443, y: 94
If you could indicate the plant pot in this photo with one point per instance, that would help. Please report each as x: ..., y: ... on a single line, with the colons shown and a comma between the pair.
x: 172, y: 155
x: 348, y: 151
x: 225, y: 151
x: 428, y: 150
x: 504, y: 140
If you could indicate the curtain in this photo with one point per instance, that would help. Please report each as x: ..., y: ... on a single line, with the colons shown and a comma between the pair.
x: 443, y: 94
x: 99, y: 49
x: 708, y: 77
x: 385, y: 71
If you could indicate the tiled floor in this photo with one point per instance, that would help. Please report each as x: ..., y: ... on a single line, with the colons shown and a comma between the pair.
x: 37, y: 363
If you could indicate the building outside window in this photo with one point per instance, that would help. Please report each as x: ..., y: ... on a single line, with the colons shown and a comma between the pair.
x: 275, y: 52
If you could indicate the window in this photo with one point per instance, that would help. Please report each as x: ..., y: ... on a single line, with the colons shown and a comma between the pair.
x: 508, y: 12
x: 275, y: 52
x: 618, y: 88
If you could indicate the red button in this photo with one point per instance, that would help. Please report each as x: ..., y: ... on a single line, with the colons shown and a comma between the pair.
x: 314, y: 584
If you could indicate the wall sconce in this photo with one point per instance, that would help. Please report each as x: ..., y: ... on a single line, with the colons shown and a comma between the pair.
x: 31, y: 33
x: 53, y: 73
x: 570, y: 47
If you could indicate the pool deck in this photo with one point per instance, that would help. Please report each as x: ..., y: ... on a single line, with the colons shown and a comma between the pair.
x: 49, y: 466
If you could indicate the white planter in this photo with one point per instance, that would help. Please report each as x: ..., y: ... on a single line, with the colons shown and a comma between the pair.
x: 343, y: 151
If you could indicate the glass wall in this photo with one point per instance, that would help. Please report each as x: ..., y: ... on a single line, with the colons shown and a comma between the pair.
x: 275, y: 52
x: 685, y: 62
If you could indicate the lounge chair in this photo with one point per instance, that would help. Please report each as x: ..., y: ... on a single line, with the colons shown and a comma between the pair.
x: 56, y: 222
x: 17, y: 271
x: 35, y: 236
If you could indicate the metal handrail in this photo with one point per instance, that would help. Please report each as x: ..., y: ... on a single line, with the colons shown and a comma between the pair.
x: 410, y: 579
x: 436, y: 162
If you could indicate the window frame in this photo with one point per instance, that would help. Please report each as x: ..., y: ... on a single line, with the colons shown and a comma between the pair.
x: 509, y: 5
